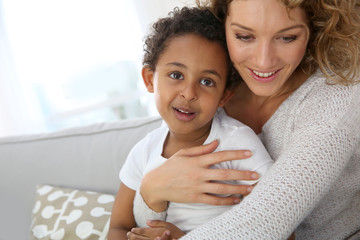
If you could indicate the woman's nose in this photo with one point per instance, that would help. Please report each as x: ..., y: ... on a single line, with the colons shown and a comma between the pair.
x: 265, y: 55
x: 189, y: 93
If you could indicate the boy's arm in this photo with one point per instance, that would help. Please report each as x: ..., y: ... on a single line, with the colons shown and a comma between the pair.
x: 122, y: 218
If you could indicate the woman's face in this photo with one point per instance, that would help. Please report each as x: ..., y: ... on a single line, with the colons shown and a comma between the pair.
x: 266, y: 44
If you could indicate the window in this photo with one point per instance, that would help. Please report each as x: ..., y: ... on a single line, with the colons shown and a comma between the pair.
x: 75, y: 62
x: 78, y: 61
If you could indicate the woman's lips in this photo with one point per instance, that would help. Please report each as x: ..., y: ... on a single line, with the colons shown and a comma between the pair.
x: 264, y: 77
x: 184, y: 114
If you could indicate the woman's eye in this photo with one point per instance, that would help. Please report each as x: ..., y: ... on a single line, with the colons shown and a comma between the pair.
x: 288, y: 39
x: 176, y: 75
x: 244, y: 38
x: 207, y: 82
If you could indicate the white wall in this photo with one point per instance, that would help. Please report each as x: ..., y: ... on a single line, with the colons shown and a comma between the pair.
x: 151, y: 10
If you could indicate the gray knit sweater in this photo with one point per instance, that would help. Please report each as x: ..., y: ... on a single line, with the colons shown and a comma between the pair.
x: 314, y: 185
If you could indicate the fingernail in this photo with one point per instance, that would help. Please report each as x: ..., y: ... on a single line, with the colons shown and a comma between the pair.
x: 250, y: 189
x: 247, y: 153
x: 237, y: 201
x: 254, y: 176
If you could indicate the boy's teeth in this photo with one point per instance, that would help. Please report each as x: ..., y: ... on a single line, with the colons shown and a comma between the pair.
x: 182, y: 111
x: 260, y: 74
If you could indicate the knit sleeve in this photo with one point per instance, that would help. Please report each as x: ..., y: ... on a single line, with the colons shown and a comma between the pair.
x: 309, y: 164
x: 142, y: 212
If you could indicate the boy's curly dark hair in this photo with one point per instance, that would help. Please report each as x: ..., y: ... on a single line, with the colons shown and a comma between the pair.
x: 199, y: 21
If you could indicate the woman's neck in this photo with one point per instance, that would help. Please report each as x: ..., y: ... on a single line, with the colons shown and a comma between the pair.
x: 254, y: 110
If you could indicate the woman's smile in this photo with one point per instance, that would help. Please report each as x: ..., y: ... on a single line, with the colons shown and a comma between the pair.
x: 264, y: 77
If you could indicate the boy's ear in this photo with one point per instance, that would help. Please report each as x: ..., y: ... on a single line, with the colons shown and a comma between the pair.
x: 148, y: 78
x: 226, y: 97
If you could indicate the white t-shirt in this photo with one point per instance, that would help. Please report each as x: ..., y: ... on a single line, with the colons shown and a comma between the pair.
x: 232, y: 135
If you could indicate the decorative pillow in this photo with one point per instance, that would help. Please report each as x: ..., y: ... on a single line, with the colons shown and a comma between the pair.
x: 64, y: 213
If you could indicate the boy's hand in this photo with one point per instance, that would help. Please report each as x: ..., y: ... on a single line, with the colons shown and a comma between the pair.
x: 157, y: 230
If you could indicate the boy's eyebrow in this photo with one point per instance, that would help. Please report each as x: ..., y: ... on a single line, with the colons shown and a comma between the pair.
x: 213, y: 72
x: 280, y: 31
x: 177, y: 64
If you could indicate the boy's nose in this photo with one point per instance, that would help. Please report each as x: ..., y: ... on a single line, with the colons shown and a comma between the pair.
x: 189, y: 93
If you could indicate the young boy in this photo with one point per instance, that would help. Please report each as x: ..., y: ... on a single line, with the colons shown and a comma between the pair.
x: 187, y: 67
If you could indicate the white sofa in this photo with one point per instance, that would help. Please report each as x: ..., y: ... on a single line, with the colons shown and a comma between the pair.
x: 85, y: 158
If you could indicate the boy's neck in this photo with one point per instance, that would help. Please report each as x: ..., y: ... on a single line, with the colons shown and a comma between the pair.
x: 175, y: 142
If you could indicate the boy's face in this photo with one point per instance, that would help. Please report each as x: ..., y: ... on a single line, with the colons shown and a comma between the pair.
x: 189, y: 83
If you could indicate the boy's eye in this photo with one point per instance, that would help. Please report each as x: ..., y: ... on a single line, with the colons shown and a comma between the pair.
x: 176, y: 75
x: 207, y: 82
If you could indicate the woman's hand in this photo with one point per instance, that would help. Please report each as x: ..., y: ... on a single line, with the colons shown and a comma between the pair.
x: 186, y: 177
x: 157, y: 230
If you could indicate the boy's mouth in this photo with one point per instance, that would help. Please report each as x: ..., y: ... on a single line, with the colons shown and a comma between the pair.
x: 184, y: 114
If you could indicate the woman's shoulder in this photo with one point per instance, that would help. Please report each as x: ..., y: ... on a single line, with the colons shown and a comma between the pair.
x: 318, y: 90
x: 324, y: 102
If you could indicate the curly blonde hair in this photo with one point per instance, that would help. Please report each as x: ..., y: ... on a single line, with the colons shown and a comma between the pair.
x: 334, y: 44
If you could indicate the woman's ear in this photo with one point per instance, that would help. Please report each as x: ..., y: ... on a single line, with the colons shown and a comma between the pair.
x: 226, y: 97
x: 148, y: 78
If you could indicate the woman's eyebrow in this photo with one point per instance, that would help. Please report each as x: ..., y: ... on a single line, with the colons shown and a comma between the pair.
x: 242, y: 26
x: 292, y: 27
x: 280, y: 31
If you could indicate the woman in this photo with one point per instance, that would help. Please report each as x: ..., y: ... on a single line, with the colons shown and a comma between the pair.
x: 300, y: 65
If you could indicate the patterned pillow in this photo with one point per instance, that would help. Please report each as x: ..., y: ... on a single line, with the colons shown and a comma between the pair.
x: 64, y: 213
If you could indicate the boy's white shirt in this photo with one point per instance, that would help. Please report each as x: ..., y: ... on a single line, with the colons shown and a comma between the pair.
x: 232, y: 135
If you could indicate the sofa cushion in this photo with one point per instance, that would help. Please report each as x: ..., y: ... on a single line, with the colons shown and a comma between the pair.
x: 67, y: 213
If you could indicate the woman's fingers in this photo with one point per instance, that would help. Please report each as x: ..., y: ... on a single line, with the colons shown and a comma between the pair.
x: 227, y: 189
x: 215, y: 200
x: 199, y: 150
x: 207, y: 157
x: 230, y: 174
x: 222, y: 156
